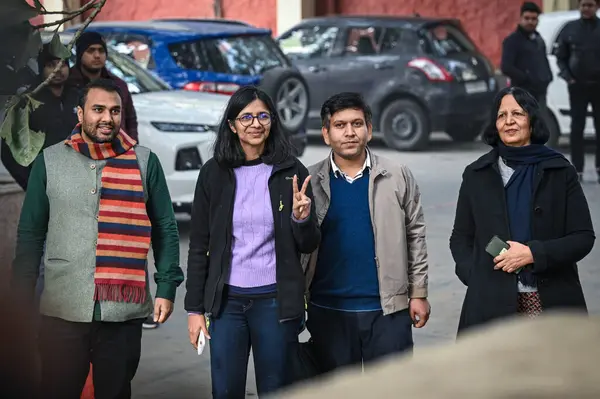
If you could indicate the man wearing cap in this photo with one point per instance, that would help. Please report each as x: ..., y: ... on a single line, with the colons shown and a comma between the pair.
x: 90, y: 65
x: 56, y: 116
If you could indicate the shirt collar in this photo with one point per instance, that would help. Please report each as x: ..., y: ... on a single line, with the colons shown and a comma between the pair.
x: 336, y: 170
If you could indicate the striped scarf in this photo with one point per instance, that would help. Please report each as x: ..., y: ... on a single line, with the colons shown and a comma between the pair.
x: 123, y: 224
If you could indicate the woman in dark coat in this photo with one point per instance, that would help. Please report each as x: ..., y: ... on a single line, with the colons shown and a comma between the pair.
x: 529, y: 196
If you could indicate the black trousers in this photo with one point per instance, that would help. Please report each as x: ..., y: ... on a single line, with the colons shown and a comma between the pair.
x: 67, y: 349
x: 351, y: 338
x: 580, y: 96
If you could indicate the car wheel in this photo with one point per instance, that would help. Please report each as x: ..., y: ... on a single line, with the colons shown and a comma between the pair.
x: 289, y: 92
x: 464, y: 134
x: 405, y: 126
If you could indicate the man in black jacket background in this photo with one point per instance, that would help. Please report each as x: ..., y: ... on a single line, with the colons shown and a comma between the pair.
x: 524, y: 58
x: 578, y: 58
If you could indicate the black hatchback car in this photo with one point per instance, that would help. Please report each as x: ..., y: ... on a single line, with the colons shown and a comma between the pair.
x: 419, y: 75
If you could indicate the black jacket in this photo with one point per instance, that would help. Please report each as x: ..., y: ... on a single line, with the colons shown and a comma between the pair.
x: 525, y: 62
x: 209, y: 258
x: 578, y: 51
x: 562, y: 234
x: 56, y: 117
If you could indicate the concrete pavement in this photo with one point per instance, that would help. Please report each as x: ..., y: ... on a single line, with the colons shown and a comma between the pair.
x: 170, y: 368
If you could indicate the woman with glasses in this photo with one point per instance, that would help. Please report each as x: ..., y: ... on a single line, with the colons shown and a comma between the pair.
x: 252, y: 217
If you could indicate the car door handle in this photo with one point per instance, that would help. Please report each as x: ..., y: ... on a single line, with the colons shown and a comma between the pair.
x: 383, y: 66
x: 316, y: 69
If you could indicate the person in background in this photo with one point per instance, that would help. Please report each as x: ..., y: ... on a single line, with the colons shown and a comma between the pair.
x: 578, y: 58
x: 522, y: 221
x: 99, y: 201
x: 524, y: 57
x: 252, y: 217
x: 55, y: 117
x: 368, y: 280
x: 91, y: 51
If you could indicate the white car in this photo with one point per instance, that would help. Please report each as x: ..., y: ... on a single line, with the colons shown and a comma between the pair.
x: 549, y: 27
x: 179, y: 126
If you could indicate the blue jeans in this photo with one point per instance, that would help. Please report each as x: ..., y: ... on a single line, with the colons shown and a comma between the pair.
x: 244, y: 324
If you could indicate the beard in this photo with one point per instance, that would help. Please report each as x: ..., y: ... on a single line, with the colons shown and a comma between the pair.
x: 90, y: 70
x: 96, y: 131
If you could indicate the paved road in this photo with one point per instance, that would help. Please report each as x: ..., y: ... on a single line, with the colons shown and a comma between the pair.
x: 171, y: 369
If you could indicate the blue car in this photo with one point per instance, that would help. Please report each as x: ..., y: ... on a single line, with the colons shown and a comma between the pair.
x: 217, y: 56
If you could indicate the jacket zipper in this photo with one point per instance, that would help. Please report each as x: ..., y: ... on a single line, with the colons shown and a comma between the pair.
x: 280, y: 215
x: 227, y: 245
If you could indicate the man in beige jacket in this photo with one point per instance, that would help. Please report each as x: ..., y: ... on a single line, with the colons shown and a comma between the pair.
x: 368, y: 279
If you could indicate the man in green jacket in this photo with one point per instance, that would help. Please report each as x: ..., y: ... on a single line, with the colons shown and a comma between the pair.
x: 99, y: 201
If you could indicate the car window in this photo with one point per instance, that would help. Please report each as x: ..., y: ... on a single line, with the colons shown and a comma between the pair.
x: 190, y: 55
x: 309, y: 42
x: 137, y: 78
x: 138, y: 47
x: 363, y: 41
x: 239, y: 55
x: 447, y: 39
x: 397, y: 39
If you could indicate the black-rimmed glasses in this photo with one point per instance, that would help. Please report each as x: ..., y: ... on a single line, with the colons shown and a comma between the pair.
x: 264, y: 118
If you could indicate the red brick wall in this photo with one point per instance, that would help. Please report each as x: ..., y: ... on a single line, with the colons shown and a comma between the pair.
x: 262, y: 13
x: 39, y: 19
x: 486, y: 21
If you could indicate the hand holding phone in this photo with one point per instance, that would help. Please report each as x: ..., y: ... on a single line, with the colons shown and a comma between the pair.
x: 496, y: 246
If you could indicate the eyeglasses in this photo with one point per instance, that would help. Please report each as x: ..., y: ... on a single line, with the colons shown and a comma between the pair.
x: 264, y: 118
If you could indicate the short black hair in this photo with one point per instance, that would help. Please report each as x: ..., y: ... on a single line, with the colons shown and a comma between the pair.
x: 108, y: 85
x: 539, y: 129
x: 228, y: 151
x: 597, y: 1
x: 530, y: 6
x: 341, y: 101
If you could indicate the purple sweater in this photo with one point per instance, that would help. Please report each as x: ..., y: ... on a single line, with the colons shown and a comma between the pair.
x: 253, y: 246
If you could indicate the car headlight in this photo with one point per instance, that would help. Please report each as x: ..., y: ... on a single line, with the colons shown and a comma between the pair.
x: 183, y: 127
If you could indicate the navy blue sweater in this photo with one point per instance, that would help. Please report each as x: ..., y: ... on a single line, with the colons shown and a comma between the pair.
x: 346, y: 272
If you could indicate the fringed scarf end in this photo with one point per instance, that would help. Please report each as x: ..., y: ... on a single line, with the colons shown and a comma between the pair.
x: 119, y: 293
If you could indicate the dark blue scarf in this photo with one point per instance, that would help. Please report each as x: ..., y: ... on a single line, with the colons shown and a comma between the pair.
x: 519, y: 193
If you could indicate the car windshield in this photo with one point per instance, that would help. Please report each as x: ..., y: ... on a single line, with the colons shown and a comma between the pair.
x: 308, y: 41
x: 448, y: 39
x: 238, y: 55
x: 137, y: 78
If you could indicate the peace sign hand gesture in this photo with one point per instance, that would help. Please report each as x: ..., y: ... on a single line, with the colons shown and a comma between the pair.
x: 301, y: 204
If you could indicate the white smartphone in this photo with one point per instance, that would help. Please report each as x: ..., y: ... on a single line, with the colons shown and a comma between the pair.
x: 201, y: 342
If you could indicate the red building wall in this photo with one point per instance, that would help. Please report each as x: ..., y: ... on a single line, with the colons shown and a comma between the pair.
x: 487, y: 21
x: 37, y: 20
x: 261, y: 13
